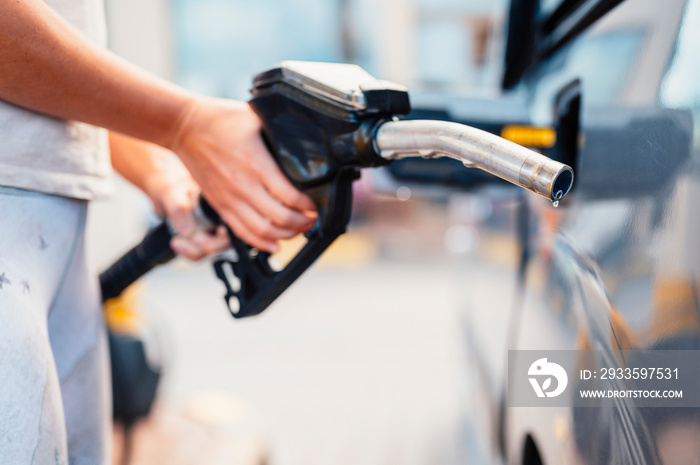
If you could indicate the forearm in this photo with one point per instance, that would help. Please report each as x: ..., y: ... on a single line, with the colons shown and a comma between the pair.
x: 138, y: 161
x: 49, y: 68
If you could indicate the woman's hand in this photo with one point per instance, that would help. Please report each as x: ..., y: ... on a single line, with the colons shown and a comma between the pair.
x: 220, y: 143
x: 175, y: 196
x: 164, y: 179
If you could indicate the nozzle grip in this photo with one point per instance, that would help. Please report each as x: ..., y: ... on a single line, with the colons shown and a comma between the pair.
x: 256, y: 284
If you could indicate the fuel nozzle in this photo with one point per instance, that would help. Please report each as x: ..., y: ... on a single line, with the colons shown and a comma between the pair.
x: 321, y: 118
x: 475, y: 149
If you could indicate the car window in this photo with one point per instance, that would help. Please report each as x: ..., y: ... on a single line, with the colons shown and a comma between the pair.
x: 547, y: 7
x: 602, y: 62
x: 681, y: 85
x: 539, y: 28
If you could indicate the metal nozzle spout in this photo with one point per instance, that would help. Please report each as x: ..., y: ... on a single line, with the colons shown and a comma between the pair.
x: 478, y: 149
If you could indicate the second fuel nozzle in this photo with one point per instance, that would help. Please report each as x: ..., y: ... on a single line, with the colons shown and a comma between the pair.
x: 475, y: 148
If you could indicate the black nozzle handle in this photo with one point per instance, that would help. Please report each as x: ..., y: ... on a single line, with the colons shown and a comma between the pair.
x: 153, y: 250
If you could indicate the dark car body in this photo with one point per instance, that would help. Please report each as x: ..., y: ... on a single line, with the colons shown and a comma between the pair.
x: 615, y: 266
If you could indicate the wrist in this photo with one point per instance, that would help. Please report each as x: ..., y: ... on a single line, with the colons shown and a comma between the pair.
x: 184, y: 124
x: 203, y: 119
x: 165, y: 173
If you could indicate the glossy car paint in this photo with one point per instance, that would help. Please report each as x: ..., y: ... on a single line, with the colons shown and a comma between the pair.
x: 616, y: 265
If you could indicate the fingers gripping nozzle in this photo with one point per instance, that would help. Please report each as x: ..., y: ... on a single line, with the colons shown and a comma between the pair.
x: 319, y: 122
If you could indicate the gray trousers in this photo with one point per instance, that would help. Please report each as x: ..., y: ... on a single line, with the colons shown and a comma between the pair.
x: 54, y: 381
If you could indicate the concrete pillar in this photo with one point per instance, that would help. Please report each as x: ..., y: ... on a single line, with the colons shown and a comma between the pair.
x: 139, y: 30
x: 396, y: 47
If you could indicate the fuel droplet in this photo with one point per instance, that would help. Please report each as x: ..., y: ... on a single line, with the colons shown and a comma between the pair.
x: 557, y: 198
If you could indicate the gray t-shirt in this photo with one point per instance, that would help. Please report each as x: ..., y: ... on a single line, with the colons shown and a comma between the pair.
x: 59, y: 157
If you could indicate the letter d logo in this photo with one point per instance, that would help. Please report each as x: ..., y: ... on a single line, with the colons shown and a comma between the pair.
x: 541, y: 369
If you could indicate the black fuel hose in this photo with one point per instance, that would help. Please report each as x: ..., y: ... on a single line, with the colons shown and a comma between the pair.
x: 153, y: 250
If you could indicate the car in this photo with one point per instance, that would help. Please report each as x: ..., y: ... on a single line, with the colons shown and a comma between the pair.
x: 611, y: 88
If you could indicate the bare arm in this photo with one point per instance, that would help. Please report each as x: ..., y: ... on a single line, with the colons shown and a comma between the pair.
x: 50, y: 68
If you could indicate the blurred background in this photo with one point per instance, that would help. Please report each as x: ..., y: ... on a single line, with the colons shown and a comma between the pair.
x: 360, y: 362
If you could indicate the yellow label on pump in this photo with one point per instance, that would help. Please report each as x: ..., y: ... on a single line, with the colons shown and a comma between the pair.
x: 123, y: 313
x: 530, y: 136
